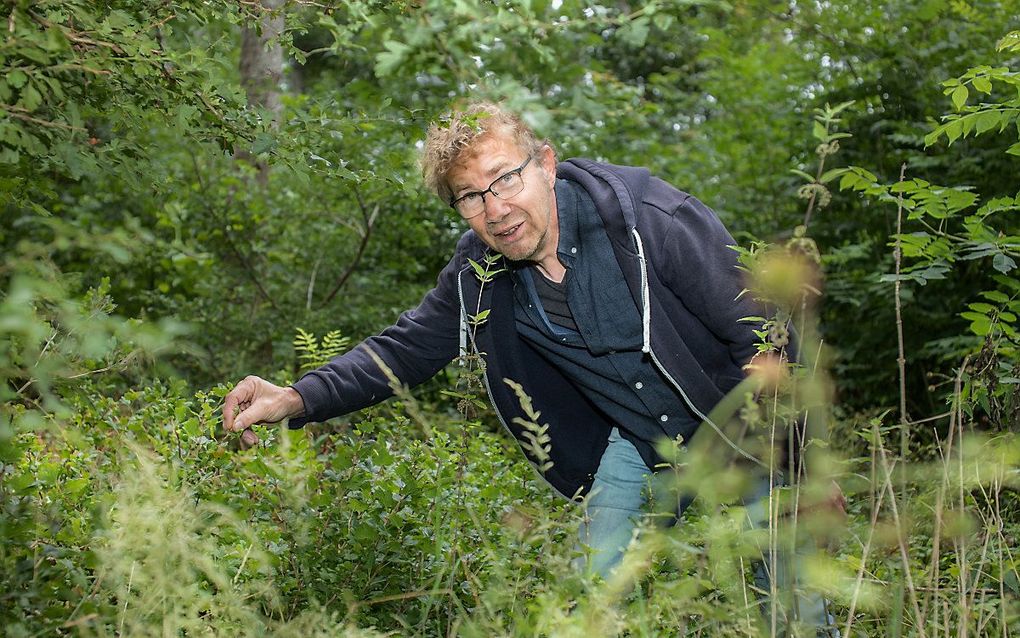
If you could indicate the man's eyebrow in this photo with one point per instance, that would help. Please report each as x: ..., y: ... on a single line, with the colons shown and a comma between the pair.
x: 496, y: 171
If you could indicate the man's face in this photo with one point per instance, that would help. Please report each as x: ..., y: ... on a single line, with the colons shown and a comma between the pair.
x: 521, y: 227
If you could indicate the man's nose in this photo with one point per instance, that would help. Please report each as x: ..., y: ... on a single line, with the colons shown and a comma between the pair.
x: 495, y: 208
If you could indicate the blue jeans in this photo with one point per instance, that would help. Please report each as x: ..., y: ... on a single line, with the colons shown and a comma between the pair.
x: 617, y: 502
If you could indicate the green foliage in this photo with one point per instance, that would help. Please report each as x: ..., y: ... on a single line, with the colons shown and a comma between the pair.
x: 314, y: 353
x: 139, y: 191
x: 537, y: 442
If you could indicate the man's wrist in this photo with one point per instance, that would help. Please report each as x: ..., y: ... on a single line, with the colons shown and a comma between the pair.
x: 295, y: 403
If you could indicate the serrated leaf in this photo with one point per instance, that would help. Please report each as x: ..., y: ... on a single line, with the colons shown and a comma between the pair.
x: 30, y: 98
x: 17, y: 78
x: 479, y: 269
x: 387, y: 61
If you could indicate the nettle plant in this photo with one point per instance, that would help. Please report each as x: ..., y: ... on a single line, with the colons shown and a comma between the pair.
x: 950, y: 226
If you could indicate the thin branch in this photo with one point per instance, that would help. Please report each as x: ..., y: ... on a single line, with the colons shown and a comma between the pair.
x: 228, y: 234
x: 814, y: 195
x: 75, y: 36
x: 901, y: 361
x: 311, y: 284
x: 22, y: 114
x: 900, y: 533
x: 368, y: 219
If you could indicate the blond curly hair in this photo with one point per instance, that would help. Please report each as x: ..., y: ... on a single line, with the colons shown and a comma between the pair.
x: 448, y: 139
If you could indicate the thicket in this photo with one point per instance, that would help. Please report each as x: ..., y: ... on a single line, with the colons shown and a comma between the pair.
x: 194, y: 191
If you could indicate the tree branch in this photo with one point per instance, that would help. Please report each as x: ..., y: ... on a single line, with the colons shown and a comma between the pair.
x: 369, y: 223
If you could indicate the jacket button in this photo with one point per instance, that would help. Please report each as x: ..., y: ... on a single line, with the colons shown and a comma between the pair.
x: 664, y: 418
x: 639, y: 385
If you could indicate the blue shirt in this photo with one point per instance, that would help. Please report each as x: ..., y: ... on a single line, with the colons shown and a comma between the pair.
x: 603, y: 357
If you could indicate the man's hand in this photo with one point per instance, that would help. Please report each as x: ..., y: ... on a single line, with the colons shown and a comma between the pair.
x: 256, y: 400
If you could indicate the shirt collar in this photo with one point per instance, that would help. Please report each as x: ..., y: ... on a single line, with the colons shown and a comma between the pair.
x: 567, y: 203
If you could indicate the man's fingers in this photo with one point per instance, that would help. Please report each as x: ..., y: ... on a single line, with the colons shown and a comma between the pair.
x: 240, y: 423
x: 248, y: 439
x: 241, y: 396
x: 229, y: 406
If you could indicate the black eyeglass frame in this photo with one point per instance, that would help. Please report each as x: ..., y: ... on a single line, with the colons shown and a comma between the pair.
x: 517, y: 171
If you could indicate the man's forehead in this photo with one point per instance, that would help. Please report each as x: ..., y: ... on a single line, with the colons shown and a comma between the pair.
x: 489, y: 157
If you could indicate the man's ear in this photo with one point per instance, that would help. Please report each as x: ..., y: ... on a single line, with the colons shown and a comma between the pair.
x: 548, y: 158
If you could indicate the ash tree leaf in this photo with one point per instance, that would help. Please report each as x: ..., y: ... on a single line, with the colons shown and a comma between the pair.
x: 1003, y: 263
x: 987, y: 121
x: 982, y: 84
x: 960, y: 95
x: 981, y: 326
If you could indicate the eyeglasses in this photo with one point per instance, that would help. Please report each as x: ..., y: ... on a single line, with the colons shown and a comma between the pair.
x: 504, y: 187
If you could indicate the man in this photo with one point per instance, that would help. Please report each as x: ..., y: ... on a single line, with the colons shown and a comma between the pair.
x: 618, y: 311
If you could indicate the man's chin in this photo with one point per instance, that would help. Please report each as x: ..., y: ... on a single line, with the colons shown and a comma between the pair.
x: 514, y: 251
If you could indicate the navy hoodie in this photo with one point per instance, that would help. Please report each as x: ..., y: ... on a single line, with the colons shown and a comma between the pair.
x: 682, y: 275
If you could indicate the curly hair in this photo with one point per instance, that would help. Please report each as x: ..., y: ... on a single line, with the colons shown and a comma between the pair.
x: 450, y: 138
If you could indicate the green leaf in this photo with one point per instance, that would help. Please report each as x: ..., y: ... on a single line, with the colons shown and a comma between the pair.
x: 960, y: 95
x: 953, y: 130
x: 1015, y: 149
x: 982, y: 84
x: 17, y: 78
x: 820, y: 132
x: 981, y: 326
x: 986, y: 121
x: 388, y: 61
x: 30, y: 98
x: 832, y: 174
x: 995, y: 295
x: 1003, y: 263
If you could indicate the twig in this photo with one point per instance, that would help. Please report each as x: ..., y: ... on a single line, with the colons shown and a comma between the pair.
x: 900, y: 532
x: 864, y: 558
x: 311, y: 284
x: 366, y: 233
x: 901, y: 360
x: 22, y: 114
x: 228, y: 234
x: 814, y: 196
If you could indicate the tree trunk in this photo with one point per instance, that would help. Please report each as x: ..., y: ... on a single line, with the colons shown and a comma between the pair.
x: 261, y: 67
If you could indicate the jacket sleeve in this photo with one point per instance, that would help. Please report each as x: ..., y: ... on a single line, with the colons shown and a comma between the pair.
x: 421, y: 342
x: 702, y: 269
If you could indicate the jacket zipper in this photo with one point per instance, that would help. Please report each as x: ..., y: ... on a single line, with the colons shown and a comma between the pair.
x: 646, y: 319
x: 646, y: 324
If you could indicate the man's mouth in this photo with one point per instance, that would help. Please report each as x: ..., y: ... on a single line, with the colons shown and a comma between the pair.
x: 506, y: 234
